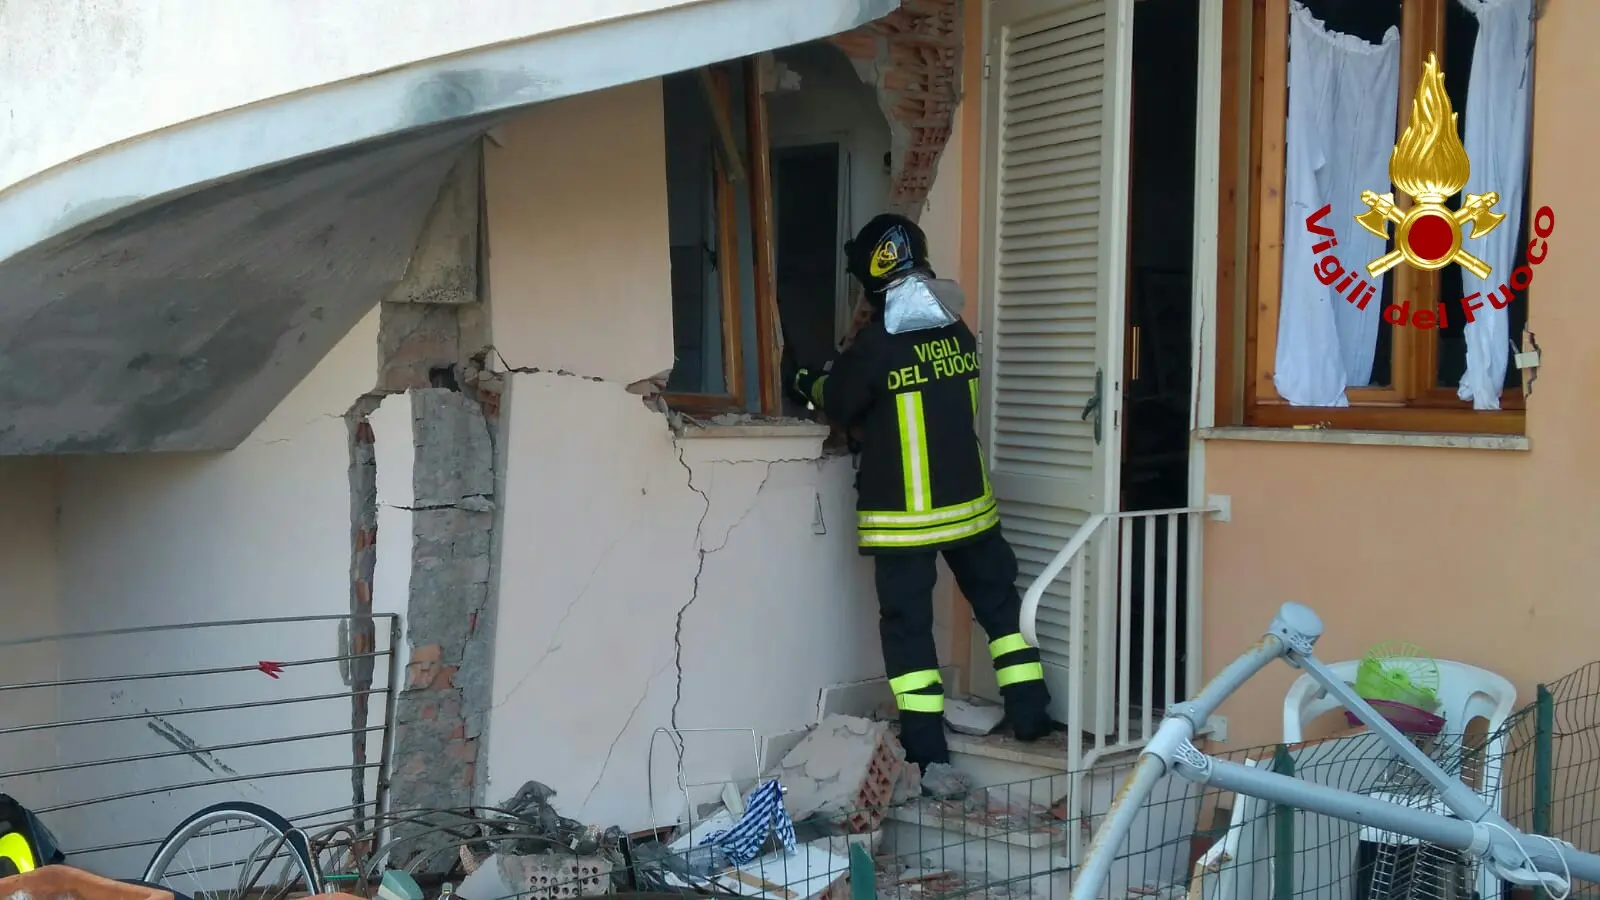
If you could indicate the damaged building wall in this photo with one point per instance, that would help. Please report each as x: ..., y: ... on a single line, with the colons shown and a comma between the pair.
x: 436, y: 514
x: 289, y: 524
x: 423, y: 500
x: 29, y: 605
x: 261, y: 531
x: 912, y: 58
x: 647, y: 581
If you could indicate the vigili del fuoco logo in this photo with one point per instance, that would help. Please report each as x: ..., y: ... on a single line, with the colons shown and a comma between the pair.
x: 1429, y: 165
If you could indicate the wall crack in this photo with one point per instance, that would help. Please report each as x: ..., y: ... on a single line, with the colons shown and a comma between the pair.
x: 694, y: 594
x: 554, y: 643
x: 610, y: 751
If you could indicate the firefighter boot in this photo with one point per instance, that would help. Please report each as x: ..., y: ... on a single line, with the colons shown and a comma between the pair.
x: 1028, y: 710
x: 922, y: 736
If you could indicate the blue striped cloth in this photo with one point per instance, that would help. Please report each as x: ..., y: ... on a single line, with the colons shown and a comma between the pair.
x: 763, y: 815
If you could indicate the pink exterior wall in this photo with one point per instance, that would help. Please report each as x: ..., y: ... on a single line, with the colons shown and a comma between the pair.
x: 1487, y: 557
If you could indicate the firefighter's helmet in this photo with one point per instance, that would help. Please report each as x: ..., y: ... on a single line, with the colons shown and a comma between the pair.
x: 886, y: 250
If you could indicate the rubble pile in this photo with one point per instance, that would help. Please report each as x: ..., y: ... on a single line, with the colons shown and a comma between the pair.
x: 790, y: 835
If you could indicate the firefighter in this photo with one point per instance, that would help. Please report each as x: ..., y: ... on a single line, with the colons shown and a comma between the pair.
x: 909, y: 385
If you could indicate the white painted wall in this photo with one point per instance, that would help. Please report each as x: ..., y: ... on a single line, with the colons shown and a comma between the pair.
x: 261, y: 531
x: 82, y: 74
x: 639, y: 574
x: 833, y: 103
x: 29, y: 605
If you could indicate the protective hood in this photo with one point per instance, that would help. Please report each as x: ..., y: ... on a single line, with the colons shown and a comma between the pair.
x: 919, y: 303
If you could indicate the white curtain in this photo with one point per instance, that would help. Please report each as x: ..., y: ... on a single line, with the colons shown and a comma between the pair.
x: 1341, y: 128
x: 1496, y: 126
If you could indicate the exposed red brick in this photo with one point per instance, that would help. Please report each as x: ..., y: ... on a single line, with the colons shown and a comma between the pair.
x: 429, y: 712
x: 425, y: 653
x: 918, y: 89
x: 858, y: 44
x: 364, y: 432
x: 466, y: 751
x: 422, y: 674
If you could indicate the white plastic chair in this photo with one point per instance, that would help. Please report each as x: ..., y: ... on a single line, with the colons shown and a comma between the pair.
x: 1465, y: 693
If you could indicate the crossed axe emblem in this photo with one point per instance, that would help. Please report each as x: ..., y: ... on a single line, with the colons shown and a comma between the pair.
x: 1381, y: 210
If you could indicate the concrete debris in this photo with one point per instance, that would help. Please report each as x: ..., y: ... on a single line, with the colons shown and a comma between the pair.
x: 972, y: 718
x: 845, y: 770
x: 909, y: 786
x: 655, y: 384
x: 985, y: 813
x: 542, y: 877
x: 896, y: 880
x: 946, y: 782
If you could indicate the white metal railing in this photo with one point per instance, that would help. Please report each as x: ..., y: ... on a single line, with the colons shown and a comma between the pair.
x: 1134, y: 623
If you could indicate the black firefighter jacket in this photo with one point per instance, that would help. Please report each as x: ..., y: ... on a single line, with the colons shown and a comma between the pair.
x: 921, y: 484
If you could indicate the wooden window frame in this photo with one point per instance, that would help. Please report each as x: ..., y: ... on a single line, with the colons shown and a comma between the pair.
x: 719, y: 88
x: 1411, y: 402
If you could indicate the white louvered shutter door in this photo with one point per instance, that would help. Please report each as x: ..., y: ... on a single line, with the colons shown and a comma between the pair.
x: 1055, y: 160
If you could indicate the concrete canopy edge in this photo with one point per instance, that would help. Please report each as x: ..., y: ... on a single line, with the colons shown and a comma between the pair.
x: 131, y: 175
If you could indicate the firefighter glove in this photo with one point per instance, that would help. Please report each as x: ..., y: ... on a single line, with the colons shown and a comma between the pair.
x: 805, y: 387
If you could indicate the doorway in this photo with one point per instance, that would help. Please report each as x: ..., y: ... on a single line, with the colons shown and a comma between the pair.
x: 1158, y: 352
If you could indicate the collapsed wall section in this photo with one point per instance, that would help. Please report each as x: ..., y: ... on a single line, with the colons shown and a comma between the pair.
x: 422, y: 479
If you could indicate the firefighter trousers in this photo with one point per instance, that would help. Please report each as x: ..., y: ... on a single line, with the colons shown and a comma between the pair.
x: 986, y: 572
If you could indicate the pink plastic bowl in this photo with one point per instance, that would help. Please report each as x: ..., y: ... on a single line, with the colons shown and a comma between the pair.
x: 1408, y: 719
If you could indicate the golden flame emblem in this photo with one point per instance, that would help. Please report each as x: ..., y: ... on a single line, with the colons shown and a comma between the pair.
x: 1429, y: 165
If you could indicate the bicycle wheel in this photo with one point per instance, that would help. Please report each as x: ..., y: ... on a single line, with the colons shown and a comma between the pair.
x: 235, y: 850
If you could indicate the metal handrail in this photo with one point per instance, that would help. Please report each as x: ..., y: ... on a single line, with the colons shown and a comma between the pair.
x: 1081, y: 537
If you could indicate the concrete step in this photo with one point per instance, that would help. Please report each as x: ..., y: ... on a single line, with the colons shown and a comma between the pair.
x: 1016, y: 834
x: 1017, y: 831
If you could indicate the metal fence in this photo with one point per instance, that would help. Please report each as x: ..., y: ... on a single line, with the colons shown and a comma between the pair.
x: 1552, y: 769
x: 114, y: 737
x: 1014, y: 840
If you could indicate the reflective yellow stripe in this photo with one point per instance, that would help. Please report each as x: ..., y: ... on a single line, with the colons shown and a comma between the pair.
x: 914, y: 681
x: 914, y: 452
x: 940, y: 516
x: 816, y: 391
x: 1011, y: 643
x: 973, y: 386
x: 15, y: 847
x: 917, y: 537
x: 1019, y: 672
x: 983, y: 466
x: 922, y: 703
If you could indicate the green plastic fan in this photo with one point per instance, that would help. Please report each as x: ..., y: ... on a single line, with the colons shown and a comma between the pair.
x: 1400, y: 673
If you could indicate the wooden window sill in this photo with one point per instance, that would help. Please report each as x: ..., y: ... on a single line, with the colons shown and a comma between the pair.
x: 1367, y: 438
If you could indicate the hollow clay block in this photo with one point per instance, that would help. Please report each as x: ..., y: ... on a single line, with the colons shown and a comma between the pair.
x: 67, y: 883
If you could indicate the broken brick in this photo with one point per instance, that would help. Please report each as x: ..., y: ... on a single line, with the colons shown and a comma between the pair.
x: 846, y: 769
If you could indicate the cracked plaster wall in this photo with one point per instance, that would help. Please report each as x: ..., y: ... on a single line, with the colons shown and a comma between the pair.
x: 645, y: 581
x: 263, y: 530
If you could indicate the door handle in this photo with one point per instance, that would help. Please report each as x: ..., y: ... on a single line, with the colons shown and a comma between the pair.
x: 1092, y: 408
